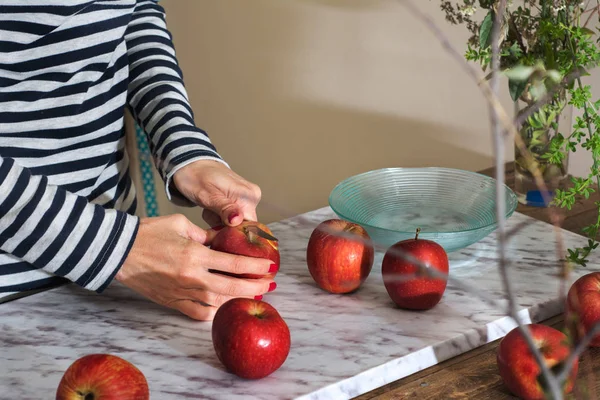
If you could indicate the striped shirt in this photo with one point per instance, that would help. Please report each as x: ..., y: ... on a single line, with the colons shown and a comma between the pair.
x: 68, y: 69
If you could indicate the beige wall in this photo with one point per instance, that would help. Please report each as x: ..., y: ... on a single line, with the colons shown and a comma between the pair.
x: 299, y: 94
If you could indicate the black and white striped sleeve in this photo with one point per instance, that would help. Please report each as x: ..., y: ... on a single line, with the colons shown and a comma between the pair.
x: 157, y: 96
x: 61, y: 232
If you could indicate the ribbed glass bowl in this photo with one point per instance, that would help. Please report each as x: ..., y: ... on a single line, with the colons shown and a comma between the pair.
x: 452, y: 207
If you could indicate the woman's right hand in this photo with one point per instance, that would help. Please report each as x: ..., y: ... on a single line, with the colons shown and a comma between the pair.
x: 169, y: 264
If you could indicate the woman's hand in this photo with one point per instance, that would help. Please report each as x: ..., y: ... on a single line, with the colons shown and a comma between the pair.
x: 169, y: 264
x: 226, y: 197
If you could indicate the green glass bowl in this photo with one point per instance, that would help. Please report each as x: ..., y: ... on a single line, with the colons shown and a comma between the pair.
x: 452, y: 207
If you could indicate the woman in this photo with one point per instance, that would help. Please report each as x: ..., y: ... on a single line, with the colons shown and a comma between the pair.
x: 68, y: 69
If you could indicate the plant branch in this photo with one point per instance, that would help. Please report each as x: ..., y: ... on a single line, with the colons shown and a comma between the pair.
x: 492, y: 99
x: 577, y: 352
x: 498, y: 139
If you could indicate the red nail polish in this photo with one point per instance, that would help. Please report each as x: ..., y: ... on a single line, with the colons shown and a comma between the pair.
x: 232, y: 216
x: 272, y: 286
x: 259, y: 297
x: 273, y: 268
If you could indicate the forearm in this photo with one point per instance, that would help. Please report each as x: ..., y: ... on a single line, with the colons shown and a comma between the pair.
x: 157, y: 95
x: 60, y: 232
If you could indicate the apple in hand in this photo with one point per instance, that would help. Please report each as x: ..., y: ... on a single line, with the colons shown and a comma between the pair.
x: 583, y: 307
x: 250, y: 337
x: 518, y: 368
x: 102, y: 377
x: 251, y: 239
x: 401, y: 277
x: 339, y: 255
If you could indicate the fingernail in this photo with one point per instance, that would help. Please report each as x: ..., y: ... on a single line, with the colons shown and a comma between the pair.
x: 259, y: 297
x: 273, y: 268
x: 231, y: 217
x: 272, y: 286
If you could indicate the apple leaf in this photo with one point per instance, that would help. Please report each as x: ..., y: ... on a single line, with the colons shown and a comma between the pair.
x: 516, y: 89
x: 587, y: 31
x: 485, y: 31
x: 519, y: 73
x: 554, y: 75
x: 261, y: 233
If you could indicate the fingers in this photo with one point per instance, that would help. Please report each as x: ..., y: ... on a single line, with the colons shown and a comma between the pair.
x: 196, y: 261
x: 249, y: 212
x: 211, y: 298
x: 251, y: 201
x: 237, y: 205
x: 225, y: 212
x: 246, y: 203
x: 195, y: 310
x: 188, y: 230
x: 235, y: 264
x: 238, y: 287
x: 210, y: 235
x: 198, y: 234
x: 231, y: 214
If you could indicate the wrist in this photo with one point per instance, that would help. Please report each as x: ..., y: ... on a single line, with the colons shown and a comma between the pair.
x: 185, y: 179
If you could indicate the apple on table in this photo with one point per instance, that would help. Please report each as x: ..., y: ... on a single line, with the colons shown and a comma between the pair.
x: 102, y: 377
x: 339, y: 255
x: 583, y: 307
x: 402, y: 279
x: 250, y: 338
x: 517, y: 365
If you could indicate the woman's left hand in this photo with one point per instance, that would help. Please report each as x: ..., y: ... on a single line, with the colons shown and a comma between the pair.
x: 226, y: 197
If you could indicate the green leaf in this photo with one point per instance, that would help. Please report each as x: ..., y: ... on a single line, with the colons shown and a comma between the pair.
x: 519, y: 73
x: 516, y: 89
x: 587, y: 31
x: 583, y: 72
x: 538, y: 91
x: 485, y: 31
x: 554, y: 75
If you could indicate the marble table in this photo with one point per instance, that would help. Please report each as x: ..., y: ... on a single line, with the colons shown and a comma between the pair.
x: 342, y: 345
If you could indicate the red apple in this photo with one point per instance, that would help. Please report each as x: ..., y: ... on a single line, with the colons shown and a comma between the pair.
x: 417, y: 292
x: 339, y: 255
x: 583, y: 306
x: 518, y: 367
x: 250, y: 337
x: 247, y: 239
x: 102, y: 377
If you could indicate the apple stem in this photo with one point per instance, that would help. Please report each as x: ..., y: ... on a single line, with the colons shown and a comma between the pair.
x: 417, y: 235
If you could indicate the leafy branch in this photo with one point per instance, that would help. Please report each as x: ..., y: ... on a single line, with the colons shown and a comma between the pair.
x: 540, y: 44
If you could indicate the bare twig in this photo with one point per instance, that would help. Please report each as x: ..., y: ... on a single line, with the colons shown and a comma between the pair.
x: 592, y: 11
x: 577, y: 352
x: 498, y: 139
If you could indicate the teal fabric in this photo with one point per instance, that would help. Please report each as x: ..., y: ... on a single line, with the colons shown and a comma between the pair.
x: 146, y: 175
x: 148, y: 187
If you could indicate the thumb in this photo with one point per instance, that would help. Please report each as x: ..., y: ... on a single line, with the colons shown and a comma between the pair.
x: 235, y: 214
x: 197, y: 234
x: 231, y: 214
x: 200, y: 235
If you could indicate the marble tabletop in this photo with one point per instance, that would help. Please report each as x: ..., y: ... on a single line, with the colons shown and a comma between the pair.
x: 342, y: 345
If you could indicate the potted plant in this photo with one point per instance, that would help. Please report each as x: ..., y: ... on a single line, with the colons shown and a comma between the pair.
x: 546, y: 47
